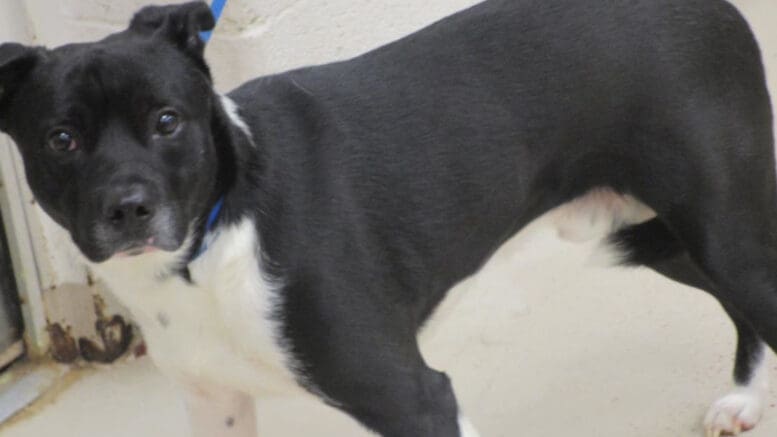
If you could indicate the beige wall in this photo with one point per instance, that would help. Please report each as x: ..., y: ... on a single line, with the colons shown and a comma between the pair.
x: 255, y: 36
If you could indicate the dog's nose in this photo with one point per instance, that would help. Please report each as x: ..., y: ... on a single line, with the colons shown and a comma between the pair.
x: 129, y: 206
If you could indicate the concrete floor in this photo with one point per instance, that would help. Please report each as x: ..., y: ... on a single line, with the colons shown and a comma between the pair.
x: 537, y: 345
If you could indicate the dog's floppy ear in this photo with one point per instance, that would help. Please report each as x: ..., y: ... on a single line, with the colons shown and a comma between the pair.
x: 16, y: 60
x: 180, y: 24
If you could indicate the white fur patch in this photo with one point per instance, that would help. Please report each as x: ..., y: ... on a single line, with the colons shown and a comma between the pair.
x: 596, y: 215
x: 217, y: 333
x: 232, y: 110
x: 466, y: 429
x: 741, y: 409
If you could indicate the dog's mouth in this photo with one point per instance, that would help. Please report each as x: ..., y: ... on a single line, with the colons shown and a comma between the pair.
x: 130, y: 248
x: 127, y: 252
x: 138, y: 248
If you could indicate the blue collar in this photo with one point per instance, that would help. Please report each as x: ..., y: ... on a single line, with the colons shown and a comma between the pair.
x: 214, y: 215
x: 209, y: 225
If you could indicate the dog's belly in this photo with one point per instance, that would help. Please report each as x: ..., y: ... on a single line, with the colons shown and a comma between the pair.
x: 598, y: 213
x: 217, y: 333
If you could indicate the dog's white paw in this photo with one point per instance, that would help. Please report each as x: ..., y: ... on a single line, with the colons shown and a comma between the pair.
x: 736, y: 412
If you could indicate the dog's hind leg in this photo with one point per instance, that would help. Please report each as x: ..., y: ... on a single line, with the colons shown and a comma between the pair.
x: 705, y: 164
x: 742, y: 408
x: 651, y: 244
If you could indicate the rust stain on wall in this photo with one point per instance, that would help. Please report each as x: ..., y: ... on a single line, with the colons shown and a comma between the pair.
x: 63, y: 345
x: 113, y: 332
x: 116, y: 335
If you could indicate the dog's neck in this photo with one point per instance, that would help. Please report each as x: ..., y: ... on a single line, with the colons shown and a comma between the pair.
x: 238, y: 159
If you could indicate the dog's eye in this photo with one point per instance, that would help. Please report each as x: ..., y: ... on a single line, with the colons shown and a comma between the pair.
x: 168, y: 123
x: 62, y: 141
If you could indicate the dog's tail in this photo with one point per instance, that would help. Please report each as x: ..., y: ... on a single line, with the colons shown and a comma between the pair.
x: 645, y: 243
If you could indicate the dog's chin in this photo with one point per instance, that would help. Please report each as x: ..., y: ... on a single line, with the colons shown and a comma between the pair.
x: 136, y: 251
x: 100, y: 254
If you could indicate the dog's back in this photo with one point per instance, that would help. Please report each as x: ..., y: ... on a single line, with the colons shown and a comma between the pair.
x: 440, y: 146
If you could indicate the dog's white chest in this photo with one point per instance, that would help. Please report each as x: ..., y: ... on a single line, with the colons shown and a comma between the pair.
x: 218, y: 330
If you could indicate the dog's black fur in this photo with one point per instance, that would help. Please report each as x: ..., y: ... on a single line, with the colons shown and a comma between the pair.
x: 380, y: 182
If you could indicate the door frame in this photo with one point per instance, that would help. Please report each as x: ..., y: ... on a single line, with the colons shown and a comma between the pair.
x: 18, y: 217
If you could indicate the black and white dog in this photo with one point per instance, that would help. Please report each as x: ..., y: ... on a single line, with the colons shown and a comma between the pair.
x: 307, y: 224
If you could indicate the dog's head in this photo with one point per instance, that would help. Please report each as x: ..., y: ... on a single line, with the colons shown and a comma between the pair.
x: 117, y: 136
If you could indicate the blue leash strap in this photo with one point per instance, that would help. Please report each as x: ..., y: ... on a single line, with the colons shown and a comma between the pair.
x: 217, y: 7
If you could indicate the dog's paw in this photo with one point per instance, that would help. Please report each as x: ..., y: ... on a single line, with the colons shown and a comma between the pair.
x: 736, y: 412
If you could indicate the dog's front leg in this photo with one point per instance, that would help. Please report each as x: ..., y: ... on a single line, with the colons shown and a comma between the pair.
x: 223, y: 413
